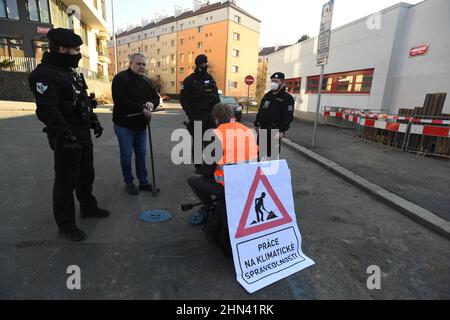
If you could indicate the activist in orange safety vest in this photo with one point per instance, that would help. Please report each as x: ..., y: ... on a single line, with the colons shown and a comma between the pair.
x: 238, y: 145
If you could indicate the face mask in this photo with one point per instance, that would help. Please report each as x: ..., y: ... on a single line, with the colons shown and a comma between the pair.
x: 274, y: 86
x: 70, y: 60
x: 202, y: 70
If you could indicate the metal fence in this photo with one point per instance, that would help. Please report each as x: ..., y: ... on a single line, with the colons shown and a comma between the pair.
x: 423, y: 135
x: 26, y: 64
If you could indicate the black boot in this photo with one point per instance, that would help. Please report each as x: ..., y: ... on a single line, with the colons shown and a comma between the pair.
x: 74, y: 235
x: 94, y: 212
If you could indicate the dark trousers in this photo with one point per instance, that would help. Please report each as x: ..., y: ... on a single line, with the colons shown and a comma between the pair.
x: 204, y: 187
x: 267, y: 153
x: 74, y: 171
x: 206, y: 125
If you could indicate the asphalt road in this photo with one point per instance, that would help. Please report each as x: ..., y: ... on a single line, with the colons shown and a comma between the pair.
x: 344, y: 231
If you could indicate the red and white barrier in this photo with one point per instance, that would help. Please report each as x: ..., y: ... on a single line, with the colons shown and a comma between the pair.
x: 431, y: 131
x: 384, y: 125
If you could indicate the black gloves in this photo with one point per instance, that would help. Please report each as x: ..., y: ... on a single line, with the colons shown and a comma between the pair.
x: 98, y: 129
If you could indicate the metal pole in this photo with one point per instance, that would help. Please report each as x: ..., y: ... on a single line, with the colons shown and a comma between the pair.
x: 114, y: 39
x: 248, y: 98
x: 319, y: 96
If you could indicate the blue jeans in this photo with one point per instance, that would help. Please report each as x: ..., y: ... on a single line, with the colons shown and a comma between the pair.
x: 129, y: 140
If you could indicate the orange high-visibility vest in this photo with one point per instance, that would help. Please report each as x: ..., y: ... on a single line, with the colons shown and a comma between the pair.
x: 238, y: 146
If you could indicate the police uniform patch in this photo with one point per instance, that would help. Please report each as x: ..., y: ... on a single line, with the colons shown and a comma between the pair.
x: 291, y: 108
x: 182, y: 87
x: 266, y: 105
x: 41, y: 88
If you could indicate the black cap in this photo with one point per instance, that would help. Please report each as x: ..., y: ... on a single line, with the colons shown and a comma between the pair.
x: 64, y: 38
x: 201, y: 59
x: 278, y: 75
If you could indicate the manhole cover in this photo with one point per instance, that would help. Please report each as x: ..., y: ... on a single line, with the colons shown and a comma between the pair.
x: 155, y: 216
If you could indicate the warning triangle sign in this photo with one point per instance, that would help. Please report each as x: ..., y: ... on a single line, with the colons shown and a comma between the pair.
x: 243, y: 230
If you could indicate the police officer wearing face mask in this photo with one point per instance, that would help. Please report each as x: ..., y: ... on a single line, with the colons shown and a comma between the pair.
x: 199, y: 95
x: 66, y: 110
x: 275, y: 112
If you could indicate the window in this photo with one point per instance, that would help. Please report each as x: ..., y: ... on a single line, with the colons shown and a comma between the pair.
x: 173, y: 57
x: 182, y: 57
x: 173, y: 83
x: 236, y: 36
x: 10, y: 47
x: 200, y: 29
x: 200, y: 45
x: 8, y: 9
x: 237, y: 19
x: 182, y: 70
x: 235, y: 53
x: 232, y: 84
x: 158, y: 64
x: 40, y: 46
x: 182, y: 41
x: 158, y: 51
x: 235, y: 69
x: 173, y: 43
x: 181, y: 26
x: 354, y: 82
x: 172, y: 29
x: 313, y: 84
x: 293, y: 85
x: 172, y: 70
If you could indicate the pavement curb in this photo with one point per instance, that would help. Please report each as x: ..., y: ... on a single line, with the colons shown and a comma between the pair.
x: 420, y: 215
x: 413, y: 211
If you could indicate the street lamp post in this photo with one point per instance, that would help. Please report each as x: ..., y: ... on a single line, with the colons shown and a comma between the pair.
x: 114, y: 39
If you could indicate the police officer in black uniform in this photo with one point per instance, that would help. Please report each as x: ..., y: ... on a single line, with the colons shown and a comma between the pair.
x: 66, y: 110
x: 276, y: 112
x: 199, y: 95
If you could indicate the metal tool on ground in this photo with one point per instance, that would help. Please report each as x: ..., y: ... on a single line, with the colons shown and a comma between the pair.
x: 155, y: 189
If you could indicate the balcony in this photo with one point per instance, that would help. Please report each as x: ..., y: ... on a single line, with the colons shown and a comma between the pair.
x: 103, y: 35
x: 103, y: 56
x: 104, y: 59
x: 89, y: 14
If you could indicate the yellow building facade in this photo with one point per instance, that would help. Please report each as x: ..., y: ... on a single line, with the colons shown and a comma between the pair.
x: 228, y: 35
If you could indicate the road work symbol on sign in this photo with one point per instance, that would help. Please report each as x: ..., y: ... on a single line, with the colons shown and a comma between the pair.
x: 264, y: 235
x: 262, y: 219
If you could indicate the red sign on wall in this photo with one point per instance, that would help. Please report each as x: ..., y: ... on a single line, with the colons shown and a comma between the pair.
x: 43, y: 30
x: 419, y: 51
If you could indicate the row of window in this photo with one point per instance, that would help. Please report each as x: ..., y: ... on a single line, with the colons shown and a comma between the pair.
x: 354, y: 82
x: 10, y: 47
x: 37, y: 10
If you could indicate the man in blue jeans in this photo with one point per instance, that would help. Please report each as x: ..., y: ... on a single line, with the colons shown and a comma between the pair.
x: 133, y: 93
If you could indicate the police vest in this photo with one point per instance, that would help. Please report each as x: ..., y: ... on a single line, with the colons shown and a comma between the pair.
x: 238, y: 146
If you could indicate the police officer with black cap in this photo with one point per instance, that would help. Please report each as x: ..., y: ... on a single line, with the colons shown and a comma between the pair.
x: 276, y: 112
x: 199, y: 95
x: 65, y: 108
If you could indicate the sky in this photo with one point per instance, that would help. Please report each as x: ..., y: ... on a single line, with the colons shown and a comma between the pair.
x: 283, y: 21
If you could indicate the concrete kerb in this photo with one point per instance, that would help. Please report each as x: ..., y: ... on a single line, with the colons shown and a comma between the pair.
x: 411, y: 210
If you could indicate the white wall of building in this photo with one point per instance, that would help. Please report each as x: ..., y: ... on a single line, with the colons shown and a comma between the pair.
x: 381, y: 42
x: 413, y: 78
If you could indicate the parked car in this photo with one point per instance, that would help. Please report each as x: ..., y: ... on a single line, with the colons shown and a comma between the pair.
x: 237, y: 108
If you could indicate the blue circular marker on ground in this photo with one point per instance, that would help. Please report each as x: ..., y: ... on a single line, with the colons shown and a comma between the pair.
x: 155, y: 216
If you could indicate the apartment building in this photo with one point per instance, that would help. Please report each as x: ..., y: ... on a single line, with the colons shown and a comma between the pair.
x: 227, y: 34
x: 25, y: 23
